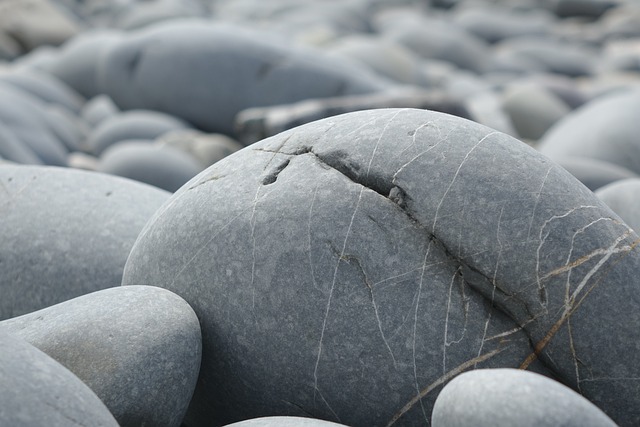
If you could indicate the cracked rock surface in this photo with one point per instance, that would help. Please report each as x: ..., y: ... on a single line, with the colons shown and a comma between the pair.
x: 347, y: 269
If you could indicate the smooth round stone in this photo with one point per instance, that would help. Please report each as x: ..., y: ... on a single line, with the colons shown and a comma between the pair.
x: 9, y: 48
x: 98, y: 109
x: 439, y: 39
x: 605, y: 129
x: 623, y: 197
x: 135, y: 124
x: 205, y: 148
x: 594, y: 173
x: 65, y: 233
x: 239, y: 67
x: 77, y: 62
x: 620, y: 56
x: 81, y: 160
x: 26, y: 118
x: 389, y: 59
x: 36, y: 60
x: 138, y: 348
x: 284, y: 422
x: 494, y: 24
x: 532, y: 109
x: 348, y: 268
x: 158, y: 165
x: 548, y: 54
x: 38, y: 391
x: 32, y: 23
x: 45, y: 87
x: 512, y: 397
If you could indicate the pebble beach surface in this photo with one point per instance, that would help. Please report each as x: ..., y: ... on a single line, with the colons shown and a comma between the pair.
x: 319, y: 213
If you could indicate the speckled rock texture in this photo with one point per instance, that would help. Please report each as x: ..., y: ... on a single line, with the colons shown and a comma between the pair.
x: 138, y: 348
x: 349, y: 268
x: 65, y: 233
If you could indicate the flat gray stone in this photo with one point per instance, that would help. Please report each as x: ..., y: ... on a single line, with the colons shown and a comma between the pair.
x: 623, y: 197
x: 158, y: 165
x: 38, y: 391
x: 138, y: 348
x: 239, y: 68
x: 136, y: 124
x: 65, y: 233
x: 11, y: 148
x: 347, y: 269
x: 604, y: 129
x: 512, y: 397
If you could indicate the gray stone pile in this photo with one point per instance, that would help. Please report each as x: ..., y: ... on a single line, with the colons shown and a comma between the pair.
x: 310, y: 213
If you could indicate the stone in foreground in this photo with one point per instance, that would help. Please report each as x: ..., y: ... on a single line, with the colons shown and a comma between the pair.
x: 138, y: 348
x: 349, y: 268
x: 38, y: 391
x: 512, y: 397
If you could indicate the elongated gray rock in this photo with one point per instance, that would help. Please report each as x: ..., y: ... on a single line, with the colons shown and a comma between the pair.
x: 137, y: 124
x: 138, y: 348
x: 603, y: 129
x: 510, y: 397
x: 65, y: 233
x: 239, y: 68
x: 349, y: 268
x: 159, y: 165
x: 37, y: 391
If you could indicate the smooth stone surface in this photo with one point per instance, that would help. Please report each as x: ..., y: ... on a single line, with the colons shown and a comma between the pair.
x: 136, y: 124
x: 284, y: 422
x: 205, y: 148
x: 67, y: 127
x: 77, y: 62
x: 548, y: 54
x: 98, y: 109
x: 512, y: 397
x: 594, y: 173
x: 389, y: 59
x: 623, y: 197
x: 532, y: 109
x: 138, y: 348
x: 497, y: 23
x: 239, y: 67
x: 38, y: 391
x: 606, y: 128
x: 158, y: 165
x: 65, y: 233
x: 356, y: 264
x: 438, y: 39
x: 26, y: 118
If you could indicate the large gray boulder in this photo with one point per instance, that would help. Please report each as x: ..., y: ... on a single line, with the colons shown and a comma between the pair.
x: 138, y: 348
x: 37, y: 391
x: 348, y: 268
x: 284, y: 422
x: 511, y: 397
x: 65, y: 233
x: 216, y: 70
